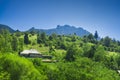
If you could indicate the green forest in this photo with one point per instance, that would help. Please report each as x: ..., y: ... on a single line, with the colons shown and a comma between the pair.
x: 77, y: 58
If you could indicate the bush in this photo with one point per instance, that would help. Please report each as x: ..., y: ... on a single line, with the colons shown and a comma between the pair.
x: 20, y: 68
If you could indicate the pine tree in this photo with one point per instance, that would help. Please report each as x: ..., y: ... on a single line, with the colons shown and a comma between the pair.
x: 96, y: 35
x: 26, y: 39
x: 14, y: 43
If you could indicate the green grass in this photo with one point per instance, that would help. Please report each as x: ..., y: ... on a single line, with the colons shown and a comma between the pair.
x: 33, y: 39
x: 42, y: 49
x: 52, y: 66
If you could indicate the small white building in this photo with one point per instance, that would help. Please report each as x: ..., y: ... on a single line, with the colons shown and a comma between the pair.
x: 118, y: 71
x: 30, y: 53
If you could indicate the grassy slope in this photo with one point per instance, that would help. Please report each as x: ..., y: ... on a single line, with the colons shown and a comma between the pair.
x: 45, y: 50
x: 41, y: 48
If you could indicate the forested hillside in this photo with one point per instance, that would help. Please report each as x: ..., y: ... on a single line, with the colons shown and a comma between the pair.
x: 77, y: 58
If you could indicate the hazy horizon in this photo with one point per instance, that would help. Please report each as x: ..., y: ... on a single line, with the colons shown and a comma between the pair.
x: 91, y: 15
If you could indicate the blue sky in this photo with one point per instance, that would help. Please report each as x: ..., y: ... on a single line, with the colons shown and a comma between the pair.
x: 100, y: 15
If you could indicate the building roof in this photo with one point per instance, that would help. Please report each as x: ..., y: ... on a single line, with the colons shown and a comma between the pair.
x: 33, y: 51
x: 118, y: 71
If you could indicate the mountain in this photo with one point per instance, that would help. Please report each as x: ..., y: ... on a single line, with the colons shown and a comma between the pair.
x: 6, y: 27
x: 62, y: 30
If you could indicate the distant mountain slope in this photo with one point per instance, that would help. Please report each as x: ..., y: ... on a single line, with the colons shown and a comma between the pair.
x: 6, y: 27
x: 63, y: 30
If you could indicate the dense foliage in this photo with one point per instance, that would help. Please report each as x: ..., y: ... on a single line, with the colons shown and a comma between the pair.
x: 77, y: 58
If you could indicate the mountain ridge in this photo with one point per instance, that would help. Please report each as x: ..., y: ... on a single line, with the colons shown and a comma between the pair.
x: 2, y: 26
x: 60, y: 30
x: 63, y: 30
